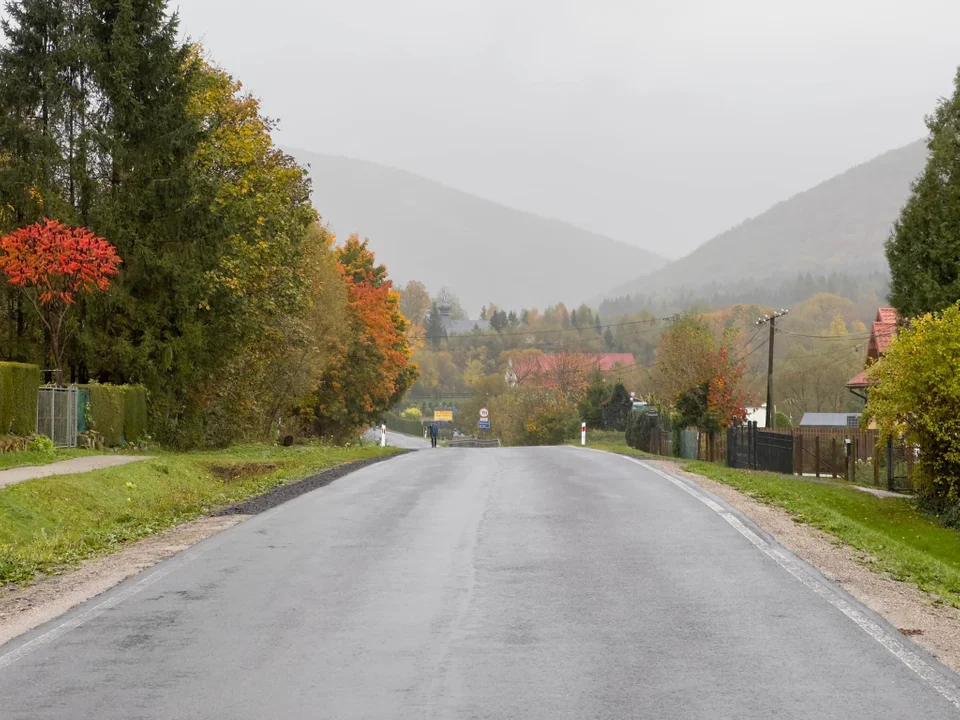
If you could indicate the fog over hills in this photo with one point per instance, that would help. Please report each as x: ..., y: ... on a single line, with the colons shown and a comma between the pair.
x: 484, y: 251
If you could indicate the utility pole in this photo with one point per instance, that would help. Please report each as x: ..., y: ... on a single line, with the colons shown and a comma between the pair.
x: 772, y: 321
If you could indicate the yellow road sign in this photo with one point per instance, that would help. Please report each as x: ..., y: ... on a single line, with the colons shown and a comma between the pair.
x: 443, y: 415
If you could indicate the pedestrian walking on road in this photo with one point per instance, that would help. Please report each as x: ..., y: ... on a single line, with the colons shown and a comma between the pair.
x: 434, y: 434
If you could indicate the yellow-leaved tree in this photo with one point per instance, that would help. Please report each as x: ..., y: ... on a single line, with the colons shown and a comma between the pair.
x: 916, y: 394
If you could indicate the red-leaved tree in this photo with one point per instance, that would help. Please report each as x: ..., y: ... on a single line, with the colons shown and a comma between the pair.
x: 52, y: 263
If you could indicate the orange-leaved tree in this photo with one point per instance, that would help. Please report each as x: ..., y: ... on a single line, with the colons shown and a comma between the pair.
x: 52, y: 264
x: 374, y: 370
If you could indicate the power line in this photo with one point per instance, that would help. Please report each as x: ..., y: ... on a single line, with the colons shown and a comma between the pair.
x: 858, y: 336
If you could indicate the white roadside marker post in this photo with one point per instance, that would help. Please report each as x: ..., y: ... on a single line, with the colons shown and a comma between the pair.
x: 583, y: 434
x: 383, y: 435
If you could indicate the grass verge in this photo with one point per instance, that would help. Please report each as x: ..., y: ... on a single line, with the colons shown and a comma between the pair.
x: 28, y: 457
x: 610, y: 441
x: 49, y: 524
x: 899, y: 539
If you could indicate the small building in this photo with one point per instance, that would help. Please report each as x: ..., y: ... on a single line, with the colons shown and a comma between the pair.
x: 460, y: 327
x: 757, y: 415
x: 850, y: 421
x: 882, y: 333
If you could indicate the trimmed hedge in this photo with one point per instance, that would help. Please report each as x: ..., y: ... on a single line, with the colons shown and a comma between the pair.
x: 118, y: 412
x: 135, y: 412
x: 19, y: 383
x: 402, y: 425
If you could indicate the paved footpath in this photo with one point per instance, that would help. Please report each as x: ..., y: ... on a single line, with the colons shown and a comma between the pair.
x: 66, y: 467
x: 529, y: 583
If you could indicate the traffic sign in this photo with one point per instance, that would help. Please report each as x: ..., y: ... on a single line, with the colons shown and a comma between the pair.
x: 484, y: 425
x: 484, y: 413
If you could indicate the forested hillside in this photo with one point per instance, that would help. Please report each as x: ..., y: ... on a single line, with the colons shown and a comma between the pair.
x: 839, y: 226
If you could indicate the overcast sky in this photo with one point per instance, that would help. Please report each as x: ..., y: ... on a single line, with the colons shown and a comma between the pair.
x: 658, y: 122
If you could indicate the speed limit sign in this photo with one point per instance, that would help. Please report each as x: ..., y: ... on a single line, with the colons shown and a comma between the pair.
x: 484, y: 413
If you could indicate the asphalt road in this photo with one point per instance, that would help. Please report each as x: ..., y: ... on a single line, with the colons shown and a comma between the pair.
x: 529, y: 583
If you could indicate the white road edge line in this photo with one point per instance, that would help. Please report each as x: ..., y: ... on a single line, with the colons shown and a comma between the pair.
x: 11, y: 657
x: 933, y: 678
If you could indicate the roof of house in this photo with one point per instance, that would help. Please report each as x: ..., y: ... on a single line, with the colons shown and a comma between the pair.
x: 463, y: 327
x: 860, y: 381
x: 882, y: 333
x: 813, y: 419
x: 887, y: 315
x: 604, y: 362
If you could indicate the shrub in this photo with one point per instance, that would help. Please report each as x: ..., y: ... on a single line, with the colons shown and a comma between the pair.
x: 412, y: 413
x: 916, y: 393
x: 107, y: 412
x: 41, y: 444
x: 534, y: 417
x: 19, y: 384
x: 781, y: 421
x: 639, y: 428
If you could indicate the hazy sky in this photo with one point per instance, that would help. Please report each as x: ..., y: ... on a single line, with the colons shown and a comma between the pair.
x: 658, y: 122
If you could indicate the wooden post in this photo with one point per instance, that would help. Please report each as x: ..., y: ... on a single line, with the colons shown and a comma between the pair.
x: 855, y: 455
x: 910, y: 455
x: 799, y: 437
x: 890, y: 463
x: 816, y: 454
x: 876, y: 463
x: 833, y: 456
x: 848, y: 454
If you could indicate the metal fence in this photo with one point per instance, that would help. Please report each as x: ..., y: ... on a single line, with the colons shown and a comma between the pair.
x: 471, y: 442
x: 57, y: 415
x: 750, y: 448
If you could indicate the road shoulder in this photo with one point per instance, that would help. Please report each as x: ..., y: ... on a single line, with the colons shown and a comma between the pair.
x: 921, y: 616
x: 24, y: 608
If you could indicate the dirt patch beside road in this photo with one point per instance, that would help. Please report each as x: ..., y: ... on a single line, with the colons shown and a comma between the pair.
x: 918, y: 615
x: 283, y: 493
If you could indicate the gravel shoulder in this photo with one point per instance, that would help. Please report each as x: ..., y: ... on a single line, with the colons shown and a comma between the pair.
x: 928, y: 622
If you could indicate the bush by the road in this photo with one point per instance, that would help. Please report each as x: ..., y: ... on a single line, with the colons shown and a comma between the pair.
x: 916, y: 393
x: 534, y: 416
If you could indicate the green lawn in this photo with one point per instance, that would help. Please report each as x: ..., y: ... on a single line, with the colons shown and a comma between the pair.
x: 900, y: 540
x: 51, y: 523
x: 610, y: 441
x: 21, y: 459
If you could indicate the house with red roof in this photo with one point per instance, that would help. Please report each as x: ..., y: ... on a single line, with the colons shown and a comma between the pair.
x: 882, y: 333
x: 543, y: 370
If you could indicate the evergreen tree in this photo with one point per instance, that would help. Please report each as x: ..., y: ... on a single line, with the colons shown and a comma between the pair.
x: 924, y: 248
x: 435, y: 329
x: 609, y: 339
x: 498, y: 321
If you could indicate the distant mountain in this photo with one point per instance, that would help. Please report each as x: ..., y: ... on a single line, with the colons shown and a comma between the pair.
x: 837, y: 227
x: 481, y: 250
